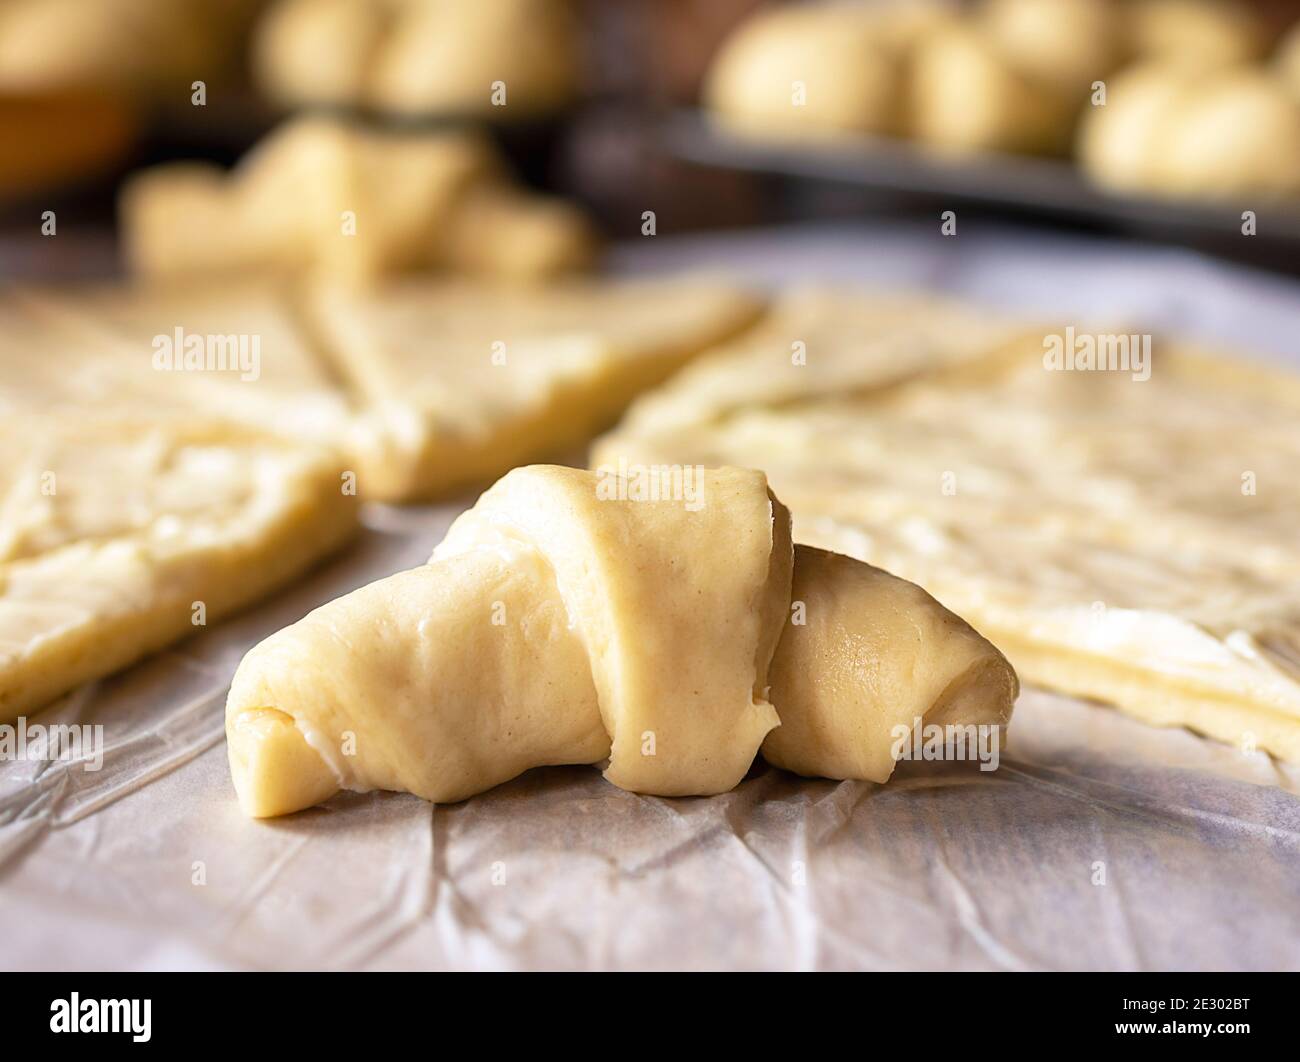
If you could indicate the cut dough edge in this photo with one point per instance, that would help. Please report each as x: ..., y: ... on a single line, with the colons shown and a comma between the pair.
x: 1176, y: 705
x: 227, y: 562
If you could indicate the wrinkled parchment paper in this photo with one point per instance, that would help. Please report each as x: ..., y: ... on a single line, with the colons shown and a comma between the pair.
x: 1099, y: 844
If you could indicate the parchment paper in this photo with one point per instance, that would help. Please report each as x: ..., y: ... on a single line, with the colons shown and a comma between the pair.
x: 1099, y: 844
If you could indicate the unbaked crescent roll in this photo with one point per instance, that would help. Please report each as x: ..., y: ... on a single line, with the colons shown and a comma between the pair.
x: 634, y: 619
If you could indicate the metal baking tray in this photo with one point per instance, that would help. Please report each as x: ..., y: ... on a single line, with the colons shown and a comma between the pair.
x: 1042, y: 189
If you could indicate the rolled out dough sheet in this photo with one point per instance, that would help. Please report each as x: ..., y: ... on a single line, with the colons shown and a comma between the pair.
x: 118, y: 537
x: 1130, y: 540
x: 425, y: 387
x: 468, y: 380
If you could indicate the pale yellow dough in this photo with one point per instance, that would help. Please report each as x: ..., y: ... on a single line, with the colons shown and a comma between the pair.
x: 574, y: 617
x: 323, y: 196
x: 113, y: 531
x: 463, y: 381
x: 970, y: 94
x: 319, y: 51
x: 101, y: 347
x: 421, y: 57
x: 1175, y: 130
x: 1200, y: 35
x: 154, y: 46
x: 405, y: 381
x: 807, y: 70
x: 1128, y: 540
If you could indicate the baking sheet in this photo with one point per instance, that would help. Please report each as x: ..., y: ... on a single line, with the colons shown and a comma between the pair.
x: 1046, y: 188
x: 1100, y: 844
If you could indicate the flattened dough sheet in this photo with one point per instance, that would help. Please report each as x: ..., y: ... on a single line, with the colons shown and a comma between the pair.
x: 425, y: 387
x: 514, y: 374
x: 1131, y: 541
x: 118, y: 537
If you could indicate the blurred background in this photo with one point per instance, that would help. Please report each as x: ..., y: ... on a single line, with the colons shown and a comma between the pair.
x: 1171, y: 121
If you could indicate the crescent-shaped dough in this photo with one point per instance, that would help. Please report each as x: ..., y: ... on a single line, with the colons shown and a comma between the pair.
x: 876, y: 654
x: 330, y: 197
x: 574, y: 617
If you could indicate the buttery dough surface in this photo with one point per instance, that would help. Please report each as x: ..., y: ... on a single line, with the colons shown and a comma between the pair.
x: 423, y: 387
x: 232, y: 351
x: 113, y: 531
x: 1124, y: 539
x: 464, y: 380
x: 579, y: 617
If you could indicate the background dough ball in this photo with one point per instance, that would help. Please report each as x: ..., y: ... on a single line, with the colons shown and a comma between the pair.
x: 106, y: 43
x: 318, y: 51
x: 1239, y: 136
x: 832, y: 57
x: 444, y: 56
x: 967, y: 96
x: 1119, y: 143
x: 1203, y: 34
x: 1069, y: 42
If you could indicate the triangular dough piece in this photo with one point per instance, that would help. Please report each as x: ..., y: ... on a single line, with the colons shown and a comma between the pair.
x: 424, y: 388
x: 819, y: 342
x: 571, y: 617
x: 1125, y: 538
x: 467, y: 380
x: 114, y: 532
x: 233, y: 352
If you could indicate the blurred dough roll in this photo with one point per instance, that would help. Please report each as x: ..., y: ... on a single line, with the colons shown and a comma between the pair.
x: 1199, y: 34
x: 1068, y: 43
x: 492, y: 58
x: 319, y: 51
x: 130, y: 45
x: 1010, y: 75
x: 1015, y: 75
x: 1169, y: 130
x: 817, y: 68
x: 969, y: 97
x: 331, y: 198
